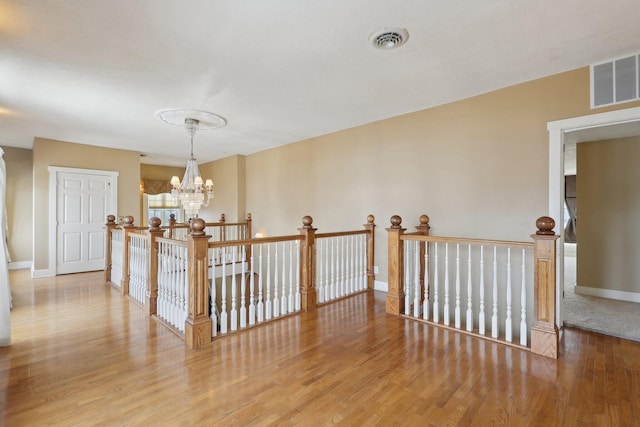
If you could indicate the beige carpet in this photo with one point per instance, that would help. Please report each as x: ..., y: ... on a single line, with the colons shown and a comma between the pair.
x: 607, y: 316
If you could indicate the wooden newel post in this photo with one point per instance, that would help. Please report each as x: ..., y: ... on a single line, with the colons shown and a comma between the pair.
x: 395, y: 296
x: 423, y: 229
x: 172, y: 223
x: 544, y: 334
x: 111, y: 225
x: 308, y: 293
x: 370, y: 227
x: 152, y: 292
x: 127, y: 228
x: 247, y: 248
x: 223, y: 229
x: 197, y: 327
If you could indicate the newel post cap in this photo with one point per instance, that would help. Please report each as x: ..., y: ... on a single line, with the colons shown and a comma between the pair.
x: 111, y: 219
x: 154, y: 223
x: 396, y: 220
x: 370, y: 219
x: 128, y: 221
x: 197, y: 227
x: 545, y: 226
x: 307, y: 221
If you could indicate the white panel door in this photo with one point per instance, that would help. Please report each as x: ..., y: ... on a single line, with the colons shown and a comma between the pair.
x: 83, y: 203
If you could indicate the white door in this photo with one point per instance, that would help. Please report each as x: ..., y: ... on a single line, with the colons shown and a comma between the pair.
x: 83, y: 202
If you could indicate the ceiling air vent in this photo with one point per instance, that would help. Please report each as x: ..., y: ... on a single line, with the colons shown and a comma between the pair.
x: 389, y: 39
x: 615, y: 81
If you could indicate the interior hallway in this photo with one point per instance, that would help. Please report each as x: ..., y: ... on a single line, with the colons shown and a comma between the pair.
x: 83, y: 355
x: 608, y: 316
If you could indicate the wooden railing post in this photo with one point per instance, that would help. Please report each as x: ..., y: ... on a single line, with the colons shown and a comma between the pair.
x: 370, y: 227
x: 172, y: 223
x: 223, y: 229
x: 308, y: 293
x: 247, y: 248
x: 395, y: 296
x: 111, y: 225
x: 423, y: 229
x: 152, y: 289
x: 127, y: 228
x: 544, y: 333
x: 197, y: 327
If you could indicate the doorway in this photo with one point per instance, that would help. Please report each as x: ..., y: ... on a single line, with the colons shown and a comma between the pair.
x: 80, y: 200
x: 562, y: 134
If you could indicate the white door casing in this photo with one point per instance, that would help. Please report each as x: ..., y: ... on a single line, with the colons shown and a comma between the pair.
x: 80, y: 200
x: 599, y: 126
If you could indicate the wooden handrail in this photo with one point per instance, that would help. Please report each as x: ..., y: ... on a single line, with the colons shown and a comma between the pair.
x: 422, y: 238
x: 255, y: 241
x: 340, y: 233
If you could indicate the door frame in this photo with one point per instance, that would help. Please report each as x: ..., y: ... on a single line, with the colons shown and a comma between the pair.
x: 53, y: 207
x: 559, y: 133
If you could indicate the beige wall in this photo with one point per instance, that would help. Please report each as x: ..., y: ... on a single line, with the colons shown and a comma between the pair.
x: 19, y: 201
x: 608, y: 208
x: 228, y: 177
x: 477, y: 167
x: 48, y: 152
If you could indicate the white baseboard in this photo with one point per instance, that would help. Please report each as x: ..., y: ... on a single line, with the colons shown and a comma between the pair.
x: 47, y: 272
x: 19, y: 265
x: 608, y: 293
x: 381, y: 286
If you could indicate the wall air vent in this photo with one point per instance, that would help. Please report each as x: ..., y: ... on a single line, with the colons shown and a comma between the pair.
x: 615, y: 81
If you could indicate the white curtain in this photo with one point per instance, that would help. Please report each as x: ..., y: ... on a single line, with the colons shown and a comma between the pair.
x: 5, y: 291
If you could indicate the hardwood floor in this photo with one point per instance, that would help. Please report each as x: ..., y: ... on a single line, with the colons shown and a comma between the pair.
x: 83, y: 355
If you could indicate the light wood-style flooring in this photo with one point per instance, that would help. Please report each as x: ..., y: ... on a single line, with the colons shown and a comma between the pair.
x: 83, y: 355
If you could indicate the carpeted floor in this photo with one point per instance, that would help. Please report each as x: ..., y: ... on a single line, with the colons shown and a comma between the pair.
x: 608, y: 316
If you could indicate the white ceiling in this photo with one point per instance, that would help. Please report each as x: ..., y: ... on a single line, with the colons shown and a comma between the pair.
x: 96, y: 71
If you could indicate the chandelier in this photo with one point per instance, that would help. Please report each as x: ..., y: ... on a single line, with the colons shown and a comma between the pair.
x: 193, y: 192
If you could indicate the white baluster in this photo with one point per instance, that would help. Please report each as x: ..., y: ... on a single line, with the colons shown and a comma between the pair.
x: 172, y: 286
x: 297, y: 302
x: 523, y: 302
x: 457, y: 309
x: 161, y: 282
x: 481, y: 319
x: 416, y: 280
x: 260, y: 295
x: 508, y: 320
x: 290, y: 304
x: 436, y: 311
x: 234, y: 311
x: 223, y: 291
x: 283, y: 298
x: 276, y: 285
x: 469, y: 291
x: 268, y: 313
x: 363, y: 262
x: 407, y: 282
x: 320, y: 271
x: 214, y: 308
x: 243, y: 288
x: 185, y: 289
x: 426, y: 281
x: 447, y: 316
x: 334, y: 273
x: 352, y: 269
x: 494, y: 314
x: 252, y: 306
x: 342, y: 268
